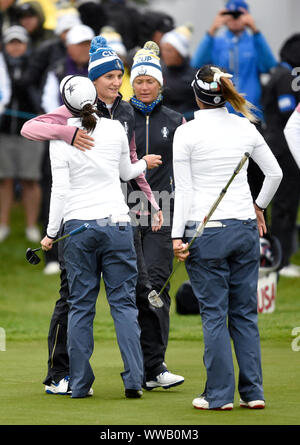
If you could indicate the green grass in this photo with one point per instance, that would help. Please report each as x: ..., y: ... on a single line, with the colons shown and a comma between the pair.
x: 27, y: 298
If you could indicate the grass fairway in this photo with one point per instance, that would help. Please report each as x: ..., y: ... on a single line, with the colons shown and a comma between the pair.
x: 27, y: 299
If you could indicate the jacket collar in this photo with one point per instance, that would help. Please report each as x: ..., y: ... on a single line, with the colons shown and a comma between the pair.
x: 101, y: 106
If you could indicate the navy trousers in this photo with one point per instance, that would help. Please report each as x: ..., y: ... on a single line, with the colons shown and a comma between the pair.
x: 106, y: 248
x: 223, y: 270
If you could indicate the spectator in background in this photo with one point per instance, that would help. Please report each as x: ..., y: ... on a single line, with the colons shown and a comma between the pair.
x: 5, y: 87
x: 19, y: 159
x: 78, y: 40
x: 92, y: 14
x: 153, y: 25
x: 124, y: 19
x: 7, y: 14
x: 114, y: 41
x: 31, y: 16
x: 50, y: 51
x: 75, y: 61
x: 177, y: 72
x: 279, y: 100
x: 244, y: 55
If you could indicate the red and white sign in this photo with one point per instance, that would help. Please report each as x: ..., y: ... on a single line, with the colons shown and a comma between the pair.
x: 266, y: 293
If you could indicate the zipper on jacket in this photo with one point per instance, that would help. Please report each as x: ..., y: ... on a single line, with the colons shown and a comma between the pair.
x: 147, y: 134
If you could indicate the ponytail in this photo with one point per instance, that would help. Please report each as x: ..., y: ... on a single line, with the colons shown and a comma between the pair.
x: 88, y: 118
x: 237, y: 100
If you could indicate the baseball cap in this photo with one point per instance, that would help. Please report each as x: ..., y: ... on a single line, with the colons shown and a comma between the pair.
x: 66, y: 22
x: 78, y: 34
x: 26, y: 10
x: 235, y: 5
x: 15, y: 32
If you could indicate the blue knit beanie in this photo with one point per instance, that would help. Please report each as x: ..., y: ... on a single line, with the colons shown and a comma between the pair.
x: 102, y: 59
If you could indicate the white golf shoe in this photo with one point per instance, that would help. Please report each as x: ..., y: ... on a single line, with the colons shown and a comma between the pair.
x: 253, y: 404
x: 291, y: 271
x: 164, y: 380
x: 63, y: 388
x: 33, y: 234
x: 4, y: 232
x: 201, y: 403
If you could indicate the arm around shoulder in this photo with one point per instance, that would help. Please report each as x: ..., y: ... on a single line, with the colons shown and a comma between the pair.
x: 50, y: 126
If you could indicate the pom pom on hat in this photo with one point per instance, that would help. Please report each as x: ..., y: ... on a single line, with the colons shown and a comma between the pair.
x: 102, y: 58
x: 179, y: 38
x: 146, y: 62
x: 97, y: 43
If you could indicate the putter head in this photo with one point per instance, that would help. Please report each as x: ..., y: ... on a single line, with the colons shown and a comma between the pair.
x: 154, y: 299
x: 32, y: 257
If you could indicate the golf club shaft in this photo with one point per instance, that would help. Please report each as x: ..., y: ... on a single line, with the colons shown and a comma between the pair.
x: 208, y: 216
x: 73, y: 232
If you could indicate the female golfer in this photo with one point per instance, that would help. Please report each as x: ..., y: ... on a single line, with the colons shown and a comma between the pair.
x: 223, y: 263
x: 155, y: 126
x: 106, y: 71
x: 86, y: 187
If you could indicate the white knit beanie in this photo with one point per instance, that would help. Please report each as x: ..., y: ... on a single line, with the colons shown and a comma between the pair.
x: 147, y: 63
x: 179, y: 38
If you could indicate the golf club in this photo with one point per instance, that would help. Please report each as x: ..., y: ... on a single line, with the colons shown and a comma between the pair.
x: 155, y: 299
x: 32, y: 257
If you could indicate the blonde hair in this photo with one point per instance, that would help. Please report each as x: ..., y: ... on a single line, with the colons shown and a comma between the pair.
x: 230, y: 94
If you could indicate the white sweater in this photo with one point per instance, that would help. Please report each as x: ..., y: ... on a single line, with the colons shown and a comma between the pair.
x: 206, y: 151
x: 292, y: 134
x: 86, y: 185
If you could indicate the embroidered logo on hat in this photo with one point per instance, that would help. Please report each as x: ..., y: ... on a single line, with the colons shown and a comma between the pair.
x: 146, y: 62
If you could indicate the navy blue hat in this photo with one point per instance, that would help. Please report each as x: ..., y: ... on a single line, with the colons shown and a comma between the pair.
x: 235, y: 5
x: 102, y: 59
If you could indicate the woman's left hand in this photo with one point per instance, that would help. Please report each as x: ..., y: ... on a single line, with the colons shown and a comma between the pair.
x: 179, y: 249
x: 46, y: 243
x: 261, y: 223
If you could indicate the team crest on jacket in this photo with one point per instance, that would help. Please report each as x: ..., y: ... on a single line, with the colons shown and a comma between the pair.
x: 165, y: 132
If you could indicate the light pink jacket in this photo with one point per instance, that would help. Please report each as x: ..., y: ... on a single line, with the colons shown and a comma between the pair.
x: 53, y: 126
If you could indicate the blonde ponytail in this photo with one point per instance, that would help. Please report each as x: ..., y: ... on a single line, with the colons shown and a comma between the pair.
x: 237, y: 100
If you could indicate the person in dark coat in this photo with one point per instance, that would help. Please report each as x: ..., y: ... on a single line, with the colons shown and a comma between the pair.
x: 31, y: 15
x: 177, y: 72
x: 155, y: 125
x: 19, y: 160
x: 279, y: 101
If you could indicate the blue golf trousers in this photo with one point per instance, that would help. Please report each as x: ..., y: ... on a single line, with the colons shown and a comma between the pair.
x: 223, y: 270
x: 108, y: 249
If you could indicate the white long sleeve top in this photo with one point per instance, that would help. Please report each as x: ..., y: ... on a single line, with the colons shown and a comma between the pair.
x: 292, y: 134
x: 206, y: 150
x: 86, y: 185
